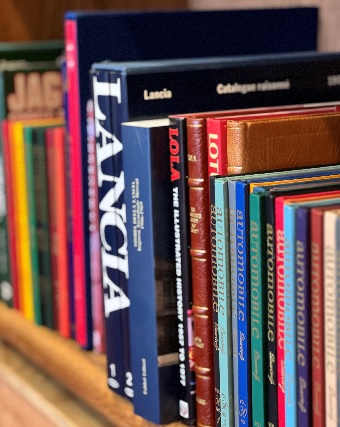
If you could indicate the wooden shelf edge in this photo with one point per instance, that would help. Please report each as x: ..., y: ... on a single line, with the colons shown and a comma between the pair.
x: 77, y: 370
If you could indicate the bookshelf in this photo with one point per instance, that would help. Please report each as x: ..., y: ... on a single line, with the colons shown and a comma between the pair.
x: 38, y: 368
x: 38, y: 365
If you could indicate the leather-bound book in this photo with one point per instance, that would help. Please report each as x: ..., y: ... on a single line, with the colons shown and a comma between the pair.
x: 262, y: 145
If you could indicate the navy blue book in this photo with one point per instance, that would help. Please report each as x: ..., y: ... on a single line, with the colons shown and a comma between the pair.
x: 120, y: 36
x: 113, y: 266
x: 152, y: 263
x: 303, y: 315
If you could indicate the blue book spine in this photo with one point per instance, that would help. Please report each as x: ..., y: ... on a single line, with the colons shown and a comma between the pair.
x: 243, y: 306
x: 178, y: 177
x: 152, y: 279
x: 233, y: 291
x: 303, y: 315
x: 222, y: 289
x: 290, y: 316
x: 110, y: 219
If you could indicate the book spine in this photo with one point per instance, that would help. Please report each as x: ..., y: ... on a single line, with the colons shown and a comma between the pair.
x: 56, y: 184
x: 280, y: 306
x: 290, y: 317
x: 97, y: 296
x: 120, y: 113
x: 32, y: 226
x: 42, y: 227
x: 6, y: 290
x: 271, y: 321
x: 14, y: 287
x: 317, y: 319
x: 337, y: 260
x: 217, y: 298
x: 80, y: 267
x: 69, y: 210
x: 330, y: 307
x: 148, y: 201
x: 303, y: 336
x: 178, y: 177
x: 257, y: 262
x: 222, y: 303
x: 114, y: 300
x: 233, y: 286
x: 200, y: 253
x: 243, y: 303
x: 21, y: 221
x: 217, y: 146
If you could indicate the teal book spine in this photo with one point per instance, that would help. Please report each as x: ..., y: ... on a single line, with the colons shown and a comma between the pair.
x: 221, y: 286
x: 258, y: 285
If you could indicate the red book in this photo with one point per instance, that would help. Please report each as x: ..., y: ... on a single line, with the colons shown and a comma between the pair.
x: 317, y: 314
x: 56, y: 177
x: 83, y: 332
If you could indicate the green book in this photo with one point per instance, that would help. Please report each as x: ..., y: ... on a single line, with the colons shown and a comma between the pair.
x: 257, y: 256
x: 37, y: 190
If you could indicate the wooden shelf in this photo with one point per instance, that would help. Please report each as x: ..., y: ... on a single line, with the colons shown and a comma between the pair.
x: 81, y: 374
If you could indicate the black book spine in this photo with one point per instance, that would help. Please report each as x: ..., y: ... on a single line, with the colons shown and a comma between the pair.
x: 178, y: 175
x: 270, y: 332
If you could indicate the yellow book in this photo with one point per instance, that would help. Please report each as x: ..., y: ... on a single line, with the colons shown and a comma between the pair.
x: 20, y: 205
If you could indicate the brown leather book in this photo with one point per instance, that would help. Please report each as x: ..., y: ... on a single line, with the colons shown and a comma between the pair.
x: 201, y: 268
x: 261, y: 145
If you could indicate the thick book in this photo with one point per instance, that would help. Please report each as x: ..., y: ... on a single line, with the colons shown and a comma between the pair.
x: 112, y: 238
x: 182, y: 35
x: 152, y: 263
x: 289, y: 142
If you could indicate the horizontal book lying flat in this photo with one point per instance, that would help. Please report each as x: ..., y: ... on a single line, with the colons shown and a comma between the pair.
x: 283, y: 143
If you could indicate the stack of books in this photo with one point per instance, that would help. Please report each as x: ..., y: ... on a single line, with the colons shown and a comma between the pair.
x: 174, y: 205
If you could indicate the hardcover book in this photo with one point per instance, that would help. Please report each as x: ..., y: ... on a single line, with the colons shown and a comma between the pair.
x: 112, y: 238
x: 317, y: 314
x: 57, y: 215
x: 301, y: 141
x: 331, y: 226
x: 151, y: 282
x: 185, y: 37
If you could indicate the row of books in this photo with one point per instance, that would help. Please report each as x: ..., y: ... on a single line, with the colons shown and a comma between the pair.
x: 273, y: 237
x: 140, y: 278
